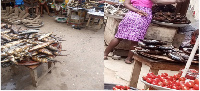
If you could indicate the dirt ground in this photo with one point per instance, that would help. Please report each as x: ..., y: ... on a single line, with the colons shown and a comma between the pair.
x: 81, y: 69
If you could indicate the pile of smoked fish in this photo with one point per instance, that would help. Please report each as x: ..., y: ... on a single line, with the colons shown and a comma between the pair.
x: 156, y: 47
x: 27, y: 45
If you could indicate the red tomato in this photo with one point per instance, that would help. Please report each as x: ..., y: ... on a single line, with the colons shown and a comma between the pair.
x: 192, y: 89
x: 166, y: 74
x: 184, y: 88
x: 174, y: 87
x: 177, y: 83
x: 177, y: 88
x: 157, y: 79
x: 121, y: 87
x: 118, y: 86
x: 114, y: 88
x: 160, y: 84
x: 125, y: 87
x: 182, y: 78
x: 189, y: 84
x: 154, y: 82
x: 177, y: 76
x: 162, y: 79
x: 152, y: 76
x: 163, y: 75
x: 169, y: 86
x: 150, y: 73
x: 144, y: 78
x: 196, y: 86
x: 170, y: 82
x: 149, y: 80
x: 196, y: 81
x: 165, y: 82
x: 170, y: 78
x: 159, y: 76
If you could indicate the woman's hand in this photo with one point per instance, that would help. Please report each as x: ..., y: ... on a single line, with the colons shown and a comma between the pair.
x: 142, y: 13
x: 167, y: 1
x: 102, y: 1
x: 178, y: 1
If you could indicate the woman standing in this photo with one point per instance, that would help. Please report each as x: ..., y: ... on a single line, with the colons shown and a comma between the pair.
x: 135, y: 24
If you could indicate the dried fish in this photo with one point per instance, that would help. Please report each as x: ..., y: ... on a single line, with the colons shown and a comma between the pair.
x: 45, y: 51
x: 41, y: 45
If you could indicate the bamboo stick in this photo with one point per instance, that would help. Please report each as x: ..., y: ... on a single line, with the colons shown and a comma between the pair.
x: 191, y: 58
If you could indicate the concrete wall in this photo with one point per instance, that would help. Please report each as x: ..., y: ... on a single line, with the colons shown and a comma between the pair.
x: 194, y: 7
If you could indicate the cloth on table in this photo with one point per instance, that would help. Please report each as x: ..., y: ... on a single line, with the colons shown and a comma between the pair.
x: 188, y: 30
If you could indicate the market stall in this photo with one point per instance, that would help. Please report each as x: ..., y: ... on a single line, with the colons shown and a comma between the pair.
x: 78, y: 11
x: 27, y: 47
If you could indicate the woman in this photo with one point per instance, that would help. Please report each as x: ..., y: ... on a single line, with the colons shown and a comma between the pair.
x: 31, y: 4
x: 135, y: 24
x: 43, y: 3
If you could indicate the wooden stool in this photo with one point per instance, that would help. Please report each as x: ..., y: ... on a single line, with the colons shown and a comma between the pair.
x: 33, y: 72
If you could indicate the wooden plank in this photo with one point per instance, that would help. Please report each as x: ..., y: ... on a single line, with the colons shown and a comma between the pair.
x: 114, y: 16
x: 135, y: 73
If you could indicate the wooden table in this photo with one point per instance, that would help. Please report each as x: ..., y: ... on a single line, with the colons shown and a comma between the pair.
x: 155, y: 66
x: 33, y: 72
x: 91, y: 16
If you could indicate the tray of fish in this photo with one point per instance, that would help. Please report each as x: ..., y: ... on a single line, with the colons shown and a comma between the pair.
x: 17, y: 47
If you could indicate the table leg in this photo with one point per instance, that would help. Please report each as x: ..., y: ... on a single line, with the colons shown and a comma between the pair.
x: 155, y: 71
x: 49, y: 66
x: 135, y: 74
x: 93, y: 21
x: 33, y: 73
x: 88, y: 22
x: 100, y: 23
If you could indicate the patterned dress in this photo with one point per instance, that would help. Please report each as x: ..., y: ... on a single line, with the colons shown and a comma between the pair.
x: 134, y: 26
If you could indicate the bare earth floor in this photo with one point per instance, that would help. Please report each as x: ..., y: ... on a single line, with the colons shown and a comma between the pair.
x: 81, y: 69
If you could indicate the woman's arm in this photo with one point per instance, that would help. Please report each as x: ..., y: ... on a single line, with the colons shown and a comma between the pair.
x: 167, y: 1
x: 127, y: 4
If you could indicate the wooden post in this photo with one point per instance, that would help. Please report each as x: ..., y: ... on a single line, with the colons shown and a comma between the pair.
x: 33, y: 73
x: 191, y: 57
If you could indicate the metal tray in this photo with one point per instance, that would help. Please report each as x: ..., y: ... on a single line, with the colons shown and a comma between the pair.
x: 108, y: 86
x: 154, y: 86
x: 169, y: 24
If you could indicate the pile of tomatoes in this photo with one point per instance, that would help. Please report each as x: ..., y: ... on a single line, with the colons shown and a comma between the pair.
x: 120, y: 87
x: 174, y: 82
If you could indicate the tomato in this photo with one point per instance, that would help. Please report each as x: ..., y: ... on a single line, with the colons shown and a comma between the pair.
x: 196, y: 86
x: 182, y: 79
x: 184, y: 88
x: 166, y: 74
x: 157, y: 79
x: 163, y: 75
x: 169, y: 82
x: 160, y: 84
x: 114, y: 88
x: 159, y: 76
x: 162, y: 79
x: 149, y: 80
x: 165, y: 82
x: 174, y: 87
x: 177, y: 83
x: 177, y: 76
x: 196, y: 81
x: 152, y: 76
x: 154, y: 82
x: 189, y: 84
x: 192, y: 89
x: 121, y: 87
x: 118, y: 86
x: 150, y: 73
x: 144, y: 78
x: 177, y: 88
x: 125, y: 87
x: 169, y: 78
